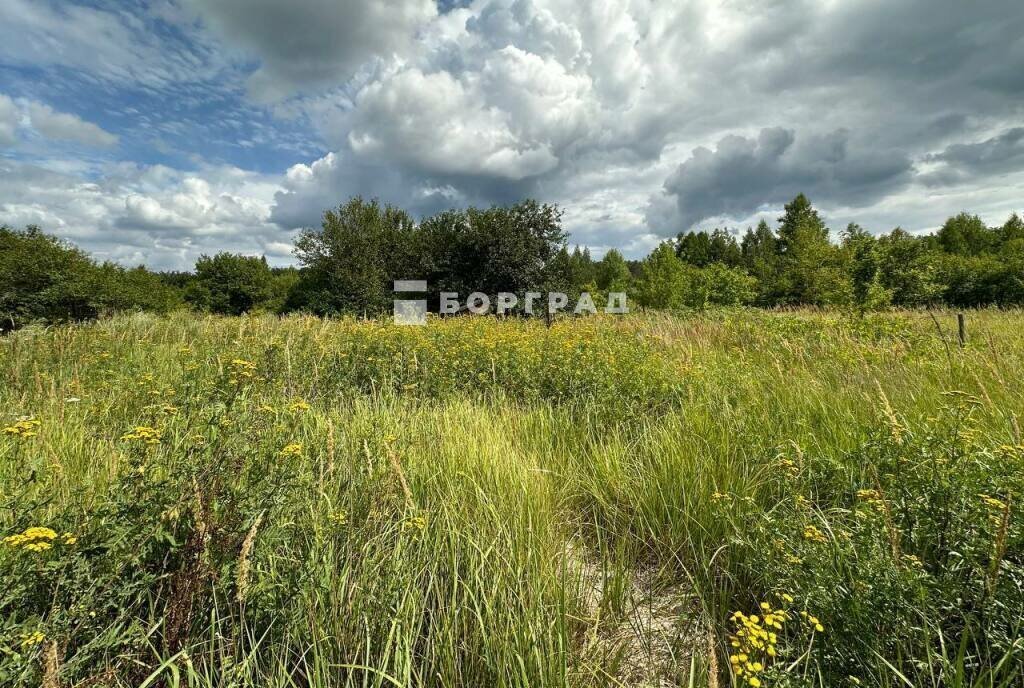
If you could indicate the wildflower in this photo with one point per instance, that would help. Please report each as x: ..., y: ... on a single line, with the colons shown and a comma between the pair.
x: 241, y: 370
x: 992, y: 502
x: 814, y: 535
x: 37, y: 539
x: 24, y: 428
x: 789, y: 466
x: 339, y: 517
x: 30, y: 640
x: 298, y: 406
x: 291, y: 450
x: 872, y: 498
x: 414, y: 525
x: 143, y: 433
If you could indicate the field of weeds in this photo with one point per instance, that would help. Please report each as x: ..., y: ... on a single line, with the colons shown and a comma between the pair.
x: 731, y: 498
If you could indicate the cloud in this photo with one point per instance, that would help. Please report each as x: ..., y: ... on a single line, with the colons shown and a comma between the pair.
x: 960, y: 162
x: 744, y: 174
x: 122, y: 45
x: 145, y: 214
x: 315, y: 43
x: 10, y: 117
x: 68, y: 127
x: 639, y: 117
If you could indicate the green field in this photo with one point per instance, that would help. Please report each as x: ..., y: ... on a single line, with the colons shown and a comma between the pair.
x: 729, y: 498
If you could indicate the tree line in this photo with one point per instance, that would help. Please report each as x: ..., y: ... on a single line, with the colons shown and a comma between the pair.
x: 349, y: 263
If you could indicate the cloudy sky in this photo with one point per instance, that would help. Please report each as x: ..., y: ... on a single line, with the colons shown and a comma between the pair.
x: 155, y: 131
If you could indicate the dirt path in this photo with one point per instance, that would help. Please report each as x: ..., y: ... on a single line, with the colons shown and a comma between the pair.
x: 646, y: 632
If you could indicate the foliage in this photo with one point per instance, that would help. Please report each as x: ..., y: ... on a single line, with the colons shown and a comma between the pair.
x: 230, y: 284
x: 43, y: 278
x: 268, y: 501
x: 349, y: 264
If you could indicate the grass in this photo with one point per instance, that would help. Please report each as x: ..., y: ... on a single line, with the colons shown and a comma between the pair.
x: 296, y: 502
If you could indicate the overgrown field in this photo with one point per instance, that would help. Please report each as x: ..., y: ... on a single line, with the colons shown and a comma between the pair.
x: 736, y: 497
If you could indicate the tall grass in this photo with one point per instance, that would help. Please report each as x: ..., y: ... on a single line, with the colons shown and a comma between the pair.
x: 297, y: 502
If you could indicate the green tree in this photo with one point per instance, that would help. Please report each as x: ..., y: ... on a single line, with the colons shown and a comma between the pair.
x: 45, y: 279
x: 351, y: 261
x: 230, y: 283
x: 694, y: 248
x: 718, y: 285
x: 760, y: 252
x: 813, y: 269
x: 662, y: 279
x: 613, y: 273
x: 966, y: 235
x: 800, y: 223
x: 862, y: 247
x: 907, y: 267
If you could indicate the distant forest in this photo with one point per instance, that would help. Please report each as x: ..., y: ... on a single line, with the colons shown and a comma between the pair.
x: 347, y: 266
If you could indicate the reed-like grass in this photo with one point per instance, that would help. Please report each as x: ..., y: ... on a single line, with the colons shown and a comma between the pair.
x: 495, y: 503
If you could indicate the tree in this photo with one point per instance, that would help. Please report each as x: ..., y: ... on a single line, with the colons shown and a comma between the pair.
x: 1012, y: 230
x: 966, y: 235
x: 800, y: 222
x: 612, y: 273
x: 352, y: 259
x: 868, y: 292
x: 907, y: 267
x: 48, y: 280
x: 760, y: 252
x: 230, y: 283
x: 813, y: 270
x: 662, y: 279
x: 718, y: 285
x: 582, y: 270
x: 694, y: 248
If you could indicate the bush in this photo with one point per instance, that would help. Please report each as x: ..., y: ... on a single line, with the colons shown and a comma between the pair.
x: 44, y: 279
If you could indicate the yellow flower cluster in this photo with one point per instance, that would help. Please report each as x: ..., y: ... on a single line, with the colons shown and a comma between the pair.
x: 814, y: 535
x: 992, y: 502
x: 30, y: 640
x: 297, y: 406
x: 789, y: 466
x: 872, y: 498
x: 755, y: 642
x: 339, y: 517
x: 24, y: 428
x: 813, y: 620
x: 414, y: 525
x: 292, y: 450
x: 38, y: 539
x: 996, y: 508
x: 143, y: 433
x: 241, y: 370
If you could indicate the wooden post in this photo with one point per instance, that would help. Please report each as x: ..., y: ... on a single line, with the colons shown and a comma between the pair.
x: 961, y: 329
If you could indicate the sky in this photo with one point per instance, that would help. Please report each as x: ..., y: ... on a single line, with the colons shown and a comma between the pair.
x: 151, y: 132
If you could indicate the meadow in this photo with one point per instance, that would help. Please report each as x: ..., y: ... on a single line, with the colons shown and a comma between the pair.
x: 733, y: 497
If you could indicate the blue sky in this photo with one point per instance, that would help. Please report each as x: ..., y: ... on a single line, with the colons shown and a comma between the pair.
x: 153, y: 132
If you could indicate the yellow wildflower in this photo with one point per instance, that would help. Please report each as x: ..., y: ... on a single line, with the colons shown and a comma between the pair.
x: 145, y: 434
x: 24, y: 428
